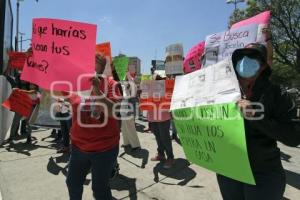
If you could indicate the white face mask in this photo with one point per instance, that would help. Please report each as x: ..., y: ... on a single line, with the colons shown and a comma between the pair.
x: 174, y: 67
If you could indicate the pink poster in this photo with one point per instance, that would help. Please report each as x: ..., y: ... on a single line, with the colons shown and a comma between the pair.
x: 192, y: 61
x: 262, y: 18
x: 63, y: 51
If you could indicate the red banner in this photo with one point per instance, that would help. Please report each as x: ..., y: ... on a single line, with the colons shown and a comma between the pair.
x: 17, y: 60
x: 20, y: 102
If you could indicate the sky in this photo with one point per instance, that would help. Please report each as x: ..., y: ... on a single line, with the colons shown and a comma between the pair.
x: 141, y: 28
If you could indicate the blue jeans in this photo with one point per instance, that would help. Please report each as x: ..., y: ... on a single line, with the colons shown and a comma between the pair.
x: 100, y: 164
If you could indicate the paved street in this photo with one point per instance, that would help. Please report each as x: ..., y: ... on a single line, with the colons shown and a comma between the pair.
x: 35, y: 172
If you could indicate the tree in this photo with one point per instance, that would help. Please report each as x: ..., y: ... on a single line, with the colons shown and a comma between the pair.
x: 285, y: 28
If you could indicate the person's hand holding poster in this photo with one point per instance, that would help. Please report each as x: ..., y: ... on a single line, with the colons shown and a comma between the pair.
x: 58, y: 54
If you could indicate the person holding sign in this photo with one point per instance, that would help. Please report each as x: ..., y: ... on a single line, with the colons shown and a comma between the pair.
x: 270, y: 116
x: 160, y: 126
x: 95, y: 136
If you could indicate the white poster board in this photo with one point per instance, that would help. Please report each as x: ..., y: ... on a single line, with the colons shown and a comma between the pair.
x: 220, y: 46
x: 212, y: 85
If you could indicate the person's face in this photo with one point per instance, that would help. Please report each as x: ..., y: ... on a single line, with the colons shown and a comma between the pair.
x: 248, y: 67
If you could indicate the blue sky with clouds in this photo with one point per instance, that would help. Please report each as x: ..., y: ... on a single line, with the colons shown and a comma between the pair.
x: 141, y: 28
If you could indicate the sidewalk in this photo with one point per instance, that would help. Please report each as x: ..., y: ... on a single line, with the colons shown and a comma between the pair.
x: 35, y: 172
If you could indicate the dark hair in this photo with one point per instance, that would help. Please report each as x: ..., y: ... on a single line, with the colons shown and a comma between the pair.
x: 100, y: 59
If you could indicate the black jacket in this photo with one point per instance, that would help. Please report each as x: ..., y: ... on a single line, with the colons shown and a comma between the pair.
x: 280, y: 123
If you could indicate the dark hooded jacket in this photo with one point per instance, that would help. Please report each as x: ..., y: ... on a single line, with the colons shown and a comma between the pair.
x: 279, y: 123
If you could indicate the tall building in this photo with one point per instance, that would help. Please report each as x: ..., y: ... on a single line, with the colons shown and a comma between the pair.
x: 134, y: 65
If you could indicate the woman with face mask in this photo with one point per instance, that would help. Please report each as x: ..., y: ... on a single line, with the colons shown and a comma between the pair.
x: 270, y: 116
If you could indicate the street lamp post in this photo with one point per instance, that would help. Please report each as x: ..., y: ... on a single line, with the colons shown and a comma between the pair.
x: 235, y: 2
x: 17, y: 25
x: 21, y: 47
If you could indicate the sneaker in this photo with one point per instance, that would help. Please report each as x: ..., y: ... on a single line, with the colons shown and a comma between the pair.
x: 158, y: 158
x: 169, y: 163
x: 125, y: 146
x: 63, y: 150
x: 28, y: 140
x: 136, y: 149
x: 146, y: 130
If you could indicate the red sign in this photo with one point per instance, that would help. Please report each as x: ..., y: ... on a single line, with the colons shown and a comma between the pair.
x: 17, y: 60
x: 20, y: 102
x: 105, y: 49
x: 63, y: 55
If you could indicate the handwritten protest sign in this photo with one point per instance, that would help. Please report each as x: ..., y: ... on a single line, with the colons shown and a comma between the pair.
x: 17, y: 60
x: 174, y: 59
x: 221, y: 45
x: 214, y: 137
x: 192, y: 61
x: 212, y: 85
x: 62, y: 51
x: 121, y: 66
x: 208, y: 123
x: 156, y: 94
x: 262, y: 20
x: 20, y: 102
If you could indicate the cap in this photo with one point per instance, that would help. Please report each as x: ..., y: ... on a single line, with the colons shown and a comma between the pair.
x: 256, y: 49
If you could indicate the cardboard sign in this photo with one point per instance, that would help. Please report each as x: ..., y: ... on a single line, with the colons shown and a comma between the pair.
x: 213, y: 137
x: 215, y: 84
x: 174, y: 59
x: 105, y: 50
x: 208, y: 122
x: 221, y: 45
x: 192, y: 61
x: 19, y: 102
x: 156, y: 94
x: 62, y: 51
x: 42, y: 115
x: 262, y: 18
x: 121, y: 66
x: 17, y: 60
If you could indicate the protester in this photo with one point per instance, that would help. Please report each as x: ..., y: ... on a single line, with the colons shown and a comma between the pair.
x: 263, y: 129
x: 35, y: 96
x: 94, y: 148
x: 160, y: 126
x: 130, y: 137
x: 65, y: 124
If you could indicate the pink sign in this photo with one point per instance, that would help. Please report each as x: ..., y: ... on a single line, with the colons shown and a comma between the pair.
x: 192, y: 61
x: 62, y: 52
x: 262, y: 18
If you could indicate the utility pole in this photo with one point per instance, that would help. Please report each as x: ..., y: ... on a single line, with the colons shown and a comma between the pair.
x: 235, y: 2
x: 17, y: 25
